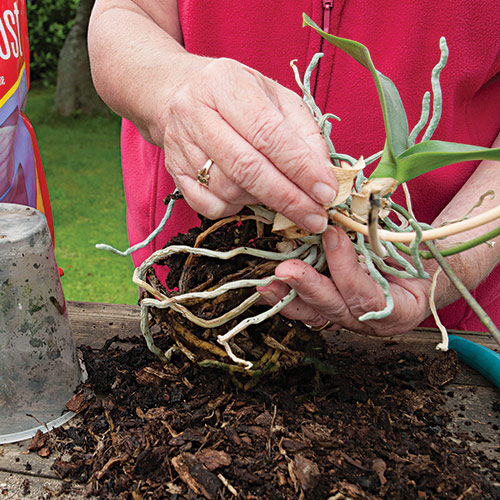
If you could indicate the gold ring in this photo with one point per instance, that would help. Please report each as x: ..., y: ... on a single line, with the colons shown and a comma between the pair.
x: 202, y: 175
x: 324, y: 326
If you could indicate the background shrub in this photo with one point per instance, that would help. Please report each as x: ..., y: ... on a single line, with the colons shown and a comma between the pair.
x: 49, y: 21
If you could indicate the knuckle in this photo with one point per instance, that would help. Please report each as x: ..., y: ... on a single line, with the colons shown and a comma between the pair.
x: 290, y: 202
x: 228, y: 66
x: 265, y: 131
x: 178, y: 104
x: 217, y: 72
x: 218, y: 209
x: 315, y: 320
x: 245, y: 171
x: 232, y: 194
x: 221, y: 65
x: 214, y: 211
x: 208, y: 207
x: 366, y: 304
x: 299, y: 163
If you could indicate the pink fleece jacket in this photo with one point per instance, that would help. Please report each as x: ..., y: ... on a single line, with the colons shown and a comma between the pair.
x: 403, y: 38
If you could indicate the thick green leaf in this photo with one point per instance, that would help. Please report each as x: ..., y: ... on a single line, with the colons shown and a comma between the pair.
x: 396, y: 123
x: 429, y: 155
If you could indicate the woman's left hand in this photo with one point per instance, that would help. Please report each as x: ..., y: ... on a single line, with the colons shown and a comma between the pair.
x: 348, y: 293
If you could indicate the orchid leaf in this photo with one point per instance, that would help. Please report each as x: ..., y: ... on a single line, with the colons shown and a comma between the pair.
x: 429, y: 155
x: 399, y: 160
x: 395, y: 120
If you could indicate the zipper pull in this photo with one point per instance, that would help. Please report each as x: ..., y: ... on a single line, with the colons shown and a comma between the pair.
x: 327, y: 8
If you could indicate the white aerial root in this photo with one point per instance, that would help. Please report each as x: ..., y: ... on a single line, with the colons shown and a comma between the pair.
x: 242, y: 325
x: 308, y: 252
x: 443, y: 345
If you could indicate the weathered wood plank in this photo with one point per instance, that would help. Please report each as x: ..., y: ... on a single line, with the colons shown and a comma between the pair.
x: 16, y: 486
x: 91, y: 320
x: 419, y: 338
x: 473, y: 416
x: 94, y: 323
x: 16, y: 458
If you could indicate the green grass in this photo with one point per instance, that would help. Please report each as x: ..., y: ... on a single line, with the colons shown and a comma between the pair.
x: 82, y: 165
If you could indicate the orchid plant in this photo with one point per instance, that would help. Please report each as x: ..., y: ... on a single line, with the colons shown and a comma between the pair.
x: 402, y: 160
x: 362, y: 207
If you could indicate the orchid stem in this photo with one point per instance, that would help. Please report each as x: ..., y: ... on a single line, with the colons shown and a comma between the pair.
x: 427, y: 235
x: 447, y: 252
x: 461, y: 247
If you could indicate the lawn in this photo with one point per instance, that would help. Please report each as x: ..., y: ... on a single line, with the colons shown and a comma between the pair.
x: 82, y: 165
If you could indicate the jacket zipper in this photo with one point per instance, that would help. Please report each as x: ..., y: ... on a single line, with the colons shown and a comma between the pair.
x: 327, y: 9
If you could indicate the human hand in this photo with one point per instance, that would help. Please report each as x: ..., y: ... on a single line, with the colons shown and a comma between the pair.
x: 265, y: 145
x: 348, y: 293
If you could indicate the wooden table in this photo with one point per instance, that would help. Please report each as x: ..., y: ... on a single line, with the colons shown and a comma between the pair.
x: 470, y: 397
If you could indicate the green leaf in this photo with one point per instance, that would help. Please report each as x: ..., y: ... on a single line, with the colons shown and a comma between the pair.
x: 429, y: 155
x: 396, y: 123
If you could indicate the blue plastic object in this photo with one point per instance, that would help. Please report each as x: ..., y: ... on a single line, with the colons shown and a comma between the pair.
x: 482, y: 359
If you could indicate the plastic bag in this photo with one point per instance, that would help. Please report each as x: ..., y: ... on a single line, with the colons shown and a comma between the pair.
x: 22, y: 178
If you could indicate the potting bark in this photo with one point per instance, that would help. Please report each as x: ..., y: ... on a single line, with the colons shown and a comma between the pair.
x: 327, y: 421
x: 376, y: 430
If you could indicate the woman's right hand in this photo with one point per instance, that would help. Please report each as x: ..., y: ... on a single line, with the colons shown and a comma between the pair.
x: 265, y: 144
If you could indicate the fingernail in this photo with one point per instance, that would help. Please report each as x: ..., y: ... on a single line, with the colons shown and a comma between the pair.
x: 269, y: 295
x: 316, y: 223
x: 289, y: 280
x: 331, y: 238
x: 323, y: 193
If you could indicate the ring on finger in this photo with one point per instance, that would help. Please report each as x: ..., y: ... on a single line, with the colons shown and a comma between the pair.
x: 324, y: 326
x: 203, y: 176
